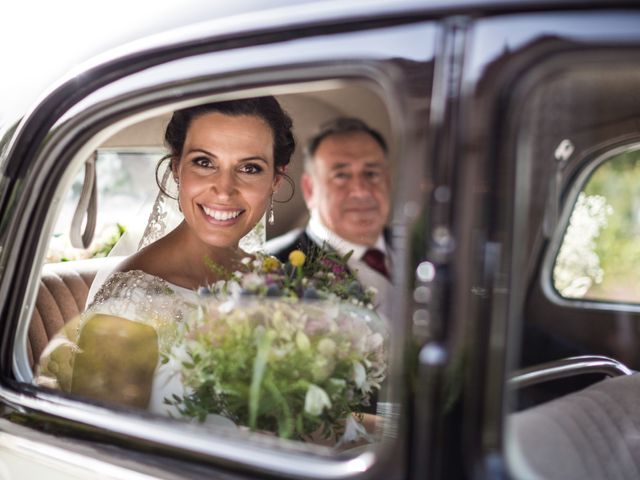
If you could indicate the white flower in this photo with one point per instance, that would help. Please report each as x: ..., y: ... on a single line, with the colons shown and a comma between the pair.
x: 322, y: 368
x: 251, y: 281
x: 374, y: 342
x: 359, y: 374
x: 234, y: 289
x: 227, y: 307
x: 373, y: 291
x: 246, y: 260
x: 302, y: 341
x: 353, y: 430
x: 327, y: 347
x: 316, y: 400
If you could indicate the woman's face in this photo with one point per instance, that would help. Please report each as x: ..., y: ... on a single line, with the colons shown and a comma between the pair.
x: 226, y: 176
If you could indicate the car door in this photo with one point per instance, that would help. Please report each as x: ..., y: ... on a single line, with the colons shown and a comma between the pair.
x: 546, y: 99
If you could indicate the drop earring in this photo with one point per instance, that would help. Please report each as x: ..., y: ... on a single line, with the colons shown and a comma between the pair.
x: 272, y: 218
x: 178, y: 194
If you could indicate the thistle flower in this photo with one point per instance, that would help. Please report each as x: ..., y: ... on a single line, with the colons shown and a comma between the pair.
x: 270, y: 264
x: 297, y: 258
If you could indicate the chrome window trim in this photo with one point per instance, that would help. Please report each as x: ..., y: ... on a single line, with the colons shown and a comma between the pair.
x: 193, y: 439
x: 546, y: 278
x: 60, y: 459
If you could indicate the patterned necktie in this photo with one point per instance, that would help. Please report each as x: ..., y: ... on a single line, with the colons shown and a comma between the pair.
x: 375, y: 259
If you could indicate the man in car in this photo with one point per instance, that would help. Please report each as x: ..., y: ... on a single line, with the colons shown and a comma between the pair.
x: 346, y: 186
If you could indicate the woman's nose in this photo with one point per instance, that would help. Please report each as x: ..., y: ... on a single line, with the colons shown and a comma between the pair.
x: 224, y: 184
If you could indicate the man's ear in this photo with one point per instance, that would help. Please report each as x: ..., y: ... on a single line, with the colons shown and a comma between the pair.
x: 307, y: 189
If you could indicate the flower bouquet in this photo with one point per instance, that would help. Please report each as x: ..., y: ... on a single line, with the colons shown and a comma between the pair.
x: 293, y: 349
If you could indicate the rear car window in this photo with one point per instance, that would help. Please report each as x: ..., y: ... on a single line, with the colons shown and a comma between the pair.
x: 599, y: 257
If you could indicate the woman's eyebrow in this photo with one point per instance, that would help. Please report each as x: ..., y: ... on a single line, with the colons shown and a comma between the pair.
x: 213, y: 155
x: 255, y: 157
x: 200, y: 150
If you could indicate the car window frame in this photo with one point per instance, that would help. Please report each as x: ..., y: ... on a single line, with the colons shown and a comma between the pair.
x: 103, y: 113
x: 589, y: 164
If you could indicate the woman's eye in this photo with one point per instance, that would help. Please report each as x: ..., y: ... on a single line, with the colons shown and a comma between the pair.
x: 202, y: 162
x: 251, y: 168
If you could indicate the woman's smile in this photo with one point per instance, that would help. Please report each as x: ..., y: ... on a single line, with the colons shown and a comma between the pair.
x: 226, y: 215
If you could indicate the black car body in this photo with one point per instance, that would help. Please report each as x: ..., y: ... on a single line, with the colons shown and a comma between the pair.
x: 499, y: 113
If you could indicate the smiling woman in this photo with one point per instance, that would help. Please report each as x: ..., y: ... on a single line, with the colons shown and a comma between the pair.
x: 227, y: 160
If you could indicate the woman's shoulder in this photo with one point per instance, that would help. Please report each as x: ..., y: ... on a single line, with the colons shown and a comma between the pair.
x: 130, y: 284
x: 140, y: 297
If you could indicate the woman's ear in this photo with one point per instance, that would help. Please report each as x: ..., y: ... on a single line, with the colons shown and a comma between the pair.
x: 174, y: 169
x: 278, y: 177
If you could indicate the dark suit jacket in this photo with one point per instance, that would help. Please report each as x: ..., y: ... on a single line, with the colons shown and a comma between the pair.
x: 281, y: 247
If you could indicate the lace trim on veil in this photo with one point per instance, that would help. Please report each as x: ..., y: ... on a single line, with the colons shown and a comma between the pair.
x: 157, y: 222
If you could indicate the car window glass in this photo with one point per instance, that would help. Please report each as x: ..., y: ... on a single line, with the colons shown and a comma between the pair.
x: 598, y: 257
x: 292, y: 349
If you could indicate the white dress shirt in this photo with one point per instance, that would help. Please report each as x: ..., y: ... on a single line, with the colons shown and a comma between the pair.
x: 367, y: 276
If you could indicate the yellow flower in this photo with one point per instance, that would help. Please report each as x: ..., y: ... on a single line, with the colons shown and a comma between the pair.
x: 270, y: 264
x: 297, y: 258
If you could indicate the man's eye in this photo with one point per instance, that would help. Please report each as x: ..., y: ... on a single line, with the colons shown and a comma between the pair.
x: 251, y: 168
x: 341, y: 175
x: 372, y: 174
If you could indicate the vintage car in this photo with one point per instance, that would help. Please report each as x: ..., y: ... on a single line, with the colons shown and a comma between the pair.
x: 514, y: 135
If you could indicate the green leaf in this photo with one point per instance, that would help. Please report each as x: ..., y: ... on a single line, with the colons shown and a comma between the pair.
x: 259, y: 367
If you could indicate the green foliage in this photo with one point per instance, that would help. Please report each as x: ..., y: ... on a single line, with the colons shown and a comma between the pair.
x: 286, y: 363
x: 103, y: 248
x: 617, y: 246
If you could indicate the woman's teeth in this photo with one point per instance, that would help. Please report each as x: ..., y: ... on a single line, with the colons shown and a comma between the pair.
x: 221, y: 215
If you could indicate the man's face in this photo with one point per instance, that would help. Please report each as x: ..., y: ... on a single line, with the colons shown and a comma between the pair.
x: 349, y: 186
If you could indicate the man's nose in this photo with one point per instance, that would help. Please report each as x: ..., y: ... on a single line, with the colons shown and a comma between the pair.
x: 359, y: 186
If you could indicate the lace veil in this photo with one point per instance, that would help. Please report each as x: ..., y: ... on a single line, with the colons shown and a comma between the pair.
x: 164, y: 217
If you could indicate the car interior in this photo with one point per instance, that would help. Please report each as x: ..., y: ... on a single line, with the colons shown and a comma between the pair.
x: 574, y: 386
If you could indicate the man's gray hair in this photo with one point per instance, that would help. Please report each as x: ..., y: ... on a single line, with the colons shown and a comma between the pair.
x: 338, y: 126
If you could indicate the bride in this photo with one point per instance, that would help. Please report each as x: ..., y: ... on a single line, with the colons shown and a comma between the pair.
x: 227, y: 160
